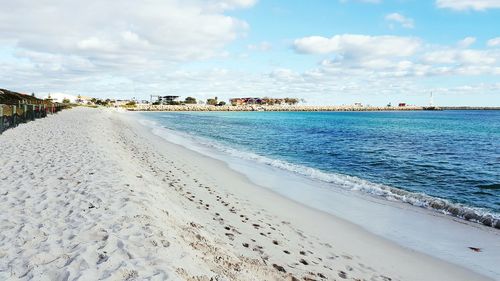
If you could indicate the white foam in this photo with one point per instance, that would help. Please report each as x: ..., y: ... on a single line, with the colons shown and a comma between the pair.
x: 360, y: 202
x: 200, y: 144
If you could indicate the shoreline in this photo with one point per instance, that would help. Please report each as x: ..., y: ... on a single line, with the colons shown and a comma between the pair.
x: 112, y: 200
x: 215, y: 149
x: 379, y: 216
x: 282, y: 193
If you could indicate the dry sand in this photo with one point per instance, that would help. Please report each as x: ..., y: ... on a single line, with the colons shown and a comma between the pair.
x: 89, y: 194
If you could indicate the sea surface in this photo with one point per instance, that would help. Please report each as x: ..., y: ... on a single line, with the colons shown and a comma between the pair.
x: 448, y: 161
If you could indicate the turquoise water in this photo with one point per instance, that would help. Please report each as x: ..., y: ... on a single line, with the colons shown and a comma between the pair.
x: 416, y: 157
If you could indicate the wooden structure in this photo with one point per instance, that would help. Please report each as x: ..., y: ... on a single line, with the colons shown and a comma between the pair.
x: 16, y: 108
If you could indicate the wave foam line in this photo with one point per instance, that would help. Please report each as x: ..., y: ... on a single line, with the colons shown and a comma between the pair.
x: 338, y: 180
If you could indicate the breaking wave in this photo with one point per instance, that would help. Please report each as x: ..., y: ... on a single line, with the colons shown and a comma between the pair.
x: 199, y: 144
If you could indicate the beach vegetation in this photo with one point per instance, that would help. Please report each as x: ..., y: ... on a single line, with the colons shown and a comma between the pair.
x: 190, y: 100
x: 212, y: 101
x: 102, y: 102
x: 291, y: 101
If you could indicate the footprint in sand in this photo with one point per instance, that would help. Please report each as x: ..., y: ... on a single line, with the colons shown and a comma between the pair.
x: 279, y: 268
x: 103, y: 257
x: 342, y: 274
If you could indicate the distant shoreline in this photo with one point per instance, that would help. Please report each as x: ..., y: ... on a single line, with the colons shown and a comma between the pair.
x: 305, y: 108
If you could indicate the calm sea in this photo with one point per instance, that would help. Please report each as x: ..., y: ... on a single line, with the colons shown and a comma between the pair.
x: 444, y: 160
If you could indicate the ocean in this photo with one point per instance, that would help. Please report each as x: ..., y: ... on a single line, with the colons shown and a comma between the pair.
x: 448, y: 161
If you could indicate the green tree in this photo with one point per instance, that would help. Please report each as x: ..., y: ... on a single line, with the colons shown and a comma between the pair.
x: 66, y: 101
x: 212, y: 101
x: 291, y: 101
x: 190, y: 100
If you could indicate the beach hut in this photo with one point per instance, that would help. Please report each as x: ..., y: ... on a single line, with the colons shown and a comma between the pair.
x: 17, y: 108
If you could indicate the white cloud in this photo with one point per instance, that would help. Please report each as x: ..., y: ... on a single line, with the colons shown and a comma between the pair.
x: 478, y: 5
x: 462, y: 57
x: 466, y: 42
x: 329, y: 84
x: 262, y: 46
x: 119, y: 34
x: 392, y: 56
x: 494, y: 42
x: 222, y: 5
x: 356, y: 46
x: 400, y: 19
x: 110, y: 48
x: 96, y: 44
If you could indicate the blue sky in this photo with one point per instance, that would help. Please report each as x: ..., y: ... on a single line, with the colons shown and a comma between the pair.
x: 327, y: 52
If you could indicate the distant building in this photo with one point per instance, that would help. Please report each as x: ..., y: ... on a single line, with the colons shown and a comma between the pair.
x: 237, y: 101
x: 262, y: 101
x: 83, y: 100
x: 245, y: 101
x: 118, y: 103
x: 402, y: 104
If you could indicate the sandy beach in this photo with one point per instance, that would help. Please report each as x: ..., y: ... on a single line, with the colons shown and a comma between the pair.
x: 90, y: 194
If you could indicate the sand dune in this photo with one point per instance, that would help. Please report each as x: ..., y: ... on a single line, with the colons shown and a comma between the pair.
x: 89, y: 194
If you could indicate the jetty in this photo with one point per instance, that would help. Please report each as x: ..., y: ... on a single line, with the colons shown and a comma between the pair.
x: 470, y: 108
x: 17, y: 108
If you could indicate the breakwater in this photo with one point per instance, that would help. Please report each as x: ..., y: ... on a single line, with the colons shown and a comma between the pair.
x: 196, y: 107
x: 145, y: 107
x: 470, y: 108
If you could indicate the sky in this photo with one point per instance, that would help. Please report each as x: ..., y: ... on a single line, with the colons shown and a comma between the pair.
x: 323, y: 51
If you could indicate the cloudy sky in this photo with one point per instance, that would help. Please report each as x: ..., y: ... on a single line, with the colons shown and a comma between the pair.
x: 325, y: 51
